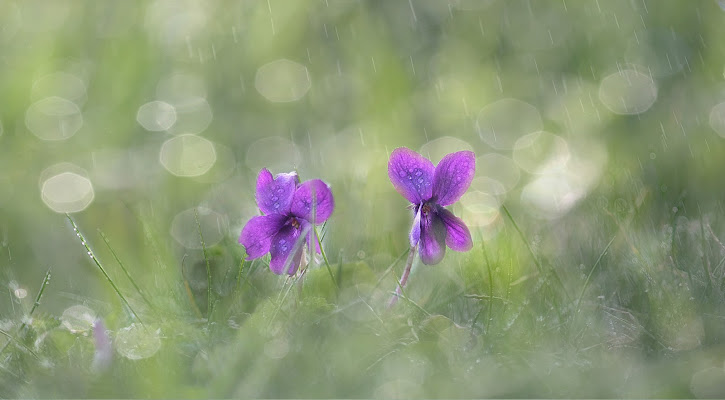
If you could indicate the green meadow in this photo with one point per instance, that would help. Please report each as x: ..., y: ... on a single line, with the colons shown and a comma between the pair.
x: 132, y: 133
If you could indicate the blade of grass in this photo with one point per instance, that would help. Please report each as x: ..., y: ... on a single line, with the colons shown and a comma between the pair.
x: 239, y: 275
x: 531, y: 251
x: 210, y: 302
x: 324, y: 257
x: 100, y: 267
x: 46, y: 280
x: 123, y: 268
x: 404, y: 277
x: 594, y: 267
x: 390, y: 267
x: 189, y: 293
x: 21, y: 344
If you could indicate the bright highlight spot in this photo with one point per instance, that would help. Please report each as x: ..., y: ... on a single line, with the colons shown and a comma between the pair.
x: 499, y: 124
x: 479, y: 208
x: 628, y: 92
x: 156, y: 116
x: 53, y: 118
x: 67, y: 192
x: 187, y: 155
x: 282, y: 81
x: 78, y: 318
x: 136, y: 342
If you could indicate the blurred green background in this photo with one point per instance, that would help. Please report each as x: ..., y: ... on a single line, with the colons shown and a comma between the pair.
x: 597, y: 208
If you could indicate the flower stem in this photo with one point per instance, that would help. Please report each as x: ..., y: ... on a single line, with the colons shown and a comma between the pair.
x: 404, y: 278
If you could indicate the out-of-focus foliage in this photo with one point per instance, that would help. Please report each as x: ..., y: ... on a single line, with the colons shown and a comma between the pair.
x: 597, y: 208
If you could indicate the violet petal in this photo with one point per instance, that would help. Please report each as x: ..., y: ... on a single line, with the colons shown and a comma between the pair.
x: 286, y: 248
x: 258, y: 232
x: 274, y: 195
x: 432, y: 238
x: 453, y: 176
x: 411, y: 174
x: 415, y: 229
x: 458, y: 237
x: 313, y: 195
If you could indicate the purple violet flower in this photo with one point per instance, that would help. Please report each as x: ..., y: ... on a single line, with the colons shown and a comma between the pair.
x: 291, y: 209
x: 430, y: 189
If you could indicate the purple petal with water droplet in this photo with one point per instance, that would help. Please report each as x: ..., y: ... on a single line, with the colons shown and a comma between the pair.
x: 411, y: 174
x: 286, y: 249
x: 313, y: 195
x: 257, y: 234
x: 274, y: 195
x: 453, y: 176
x: 458, y: 237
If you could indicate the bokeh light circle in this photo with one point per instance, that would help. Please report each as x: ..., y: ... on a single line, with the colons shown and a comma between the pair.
x: 436, y: 149
x: 137, y: 342
x: 61, y: 84
x: 541, y: 152
x: 156, y: 116
x: 78, y: 318
x: 499, y: 168
x: 628, y: 92
x: 187, y: 155
x: 67, y: 192
x: 53, y: 118
x: 282, y: 81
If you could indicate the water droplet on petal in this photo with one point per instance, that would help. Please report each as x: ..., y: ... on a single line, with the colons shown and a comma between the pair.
x: 401, y: 173
x: 276, y: 205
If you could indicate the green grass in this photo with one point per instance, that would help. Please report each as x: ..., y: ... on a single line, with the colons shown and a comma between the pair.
x: 606, y: 278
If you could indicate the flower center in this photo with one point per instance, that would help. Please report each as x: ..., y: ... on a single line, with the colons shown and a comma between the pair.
x: 426, y: 209
x: 295, y: 224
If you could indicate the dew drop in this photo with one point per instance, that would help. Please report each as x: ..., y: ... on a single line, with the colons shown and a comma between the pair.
x: 401, y: 173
